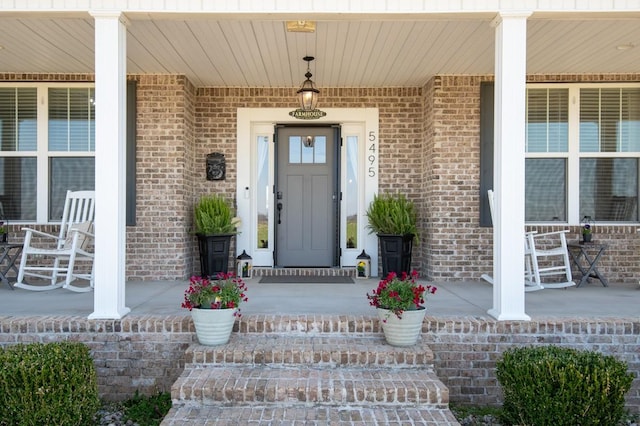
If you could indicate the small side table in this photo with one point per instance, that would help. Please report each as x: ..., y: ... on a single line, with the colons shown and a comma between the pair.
x: 586, y: 264
x: 9, y: 253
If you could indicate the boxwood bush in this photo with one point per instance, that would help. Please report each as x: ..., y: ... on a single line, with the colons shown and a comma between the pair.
x: 47, y: 384
x: 558, y: 386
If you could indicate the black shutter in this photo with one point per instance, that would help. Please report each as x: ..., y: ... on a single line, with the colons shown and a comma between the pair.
x: 486, y: 150
x: 131, y: 154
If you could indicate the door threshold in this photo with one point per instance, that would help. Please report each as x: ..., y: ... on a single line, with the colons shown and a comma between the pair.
x: 267, y: 271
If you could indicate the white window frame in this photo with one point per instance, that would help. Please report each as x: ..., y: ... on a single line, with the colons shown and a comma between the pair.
x: 573, y: 155
x: 42, y: 154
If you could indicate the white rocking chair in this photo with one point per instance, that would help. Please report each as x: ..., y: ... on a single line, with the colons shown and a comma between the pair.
x: 557, y: 264
x: 69, y: 247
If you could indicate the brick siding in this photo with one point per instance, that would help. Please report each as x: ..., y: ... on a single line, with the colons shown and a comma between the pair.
x: 429, y: 150
x: 147, y: 353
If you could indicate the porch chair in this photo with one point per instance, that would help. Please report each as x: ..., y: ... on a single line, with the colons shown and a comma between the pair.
x: 69, y: 247
x: 554, y: 257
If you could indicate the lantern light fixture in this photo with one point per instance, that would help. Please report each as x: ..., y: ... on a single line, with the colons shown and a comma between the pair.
x: 308, y: 93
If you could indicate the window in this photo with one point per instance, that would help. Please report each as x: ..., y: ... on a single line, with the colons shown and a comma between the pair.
x: 262, y: 195
x: 47, y: 144
x: 307, y: 149
x: 547, y: 134
x: 582, y: 153
x: 351, y: 193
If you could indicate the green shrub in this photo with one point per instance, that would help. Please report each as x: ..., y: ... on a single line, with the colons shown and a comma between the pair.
x: 392, y: 214
x: 47, y: 384
x: 214, y: 216
x: 554, y: 386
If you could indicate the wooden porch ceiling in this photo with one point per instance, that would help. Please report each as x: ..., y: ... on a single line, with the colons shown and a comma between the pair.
x: 360, y: 51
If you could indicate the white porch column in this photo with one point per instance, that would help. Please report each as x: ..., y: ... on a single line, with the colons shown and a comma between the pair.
x: 508, y: 175
x: 110, y: 93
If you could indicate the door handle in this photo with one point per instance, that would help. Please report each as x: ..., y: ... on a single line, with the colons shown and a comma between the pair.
x: 279, y: 206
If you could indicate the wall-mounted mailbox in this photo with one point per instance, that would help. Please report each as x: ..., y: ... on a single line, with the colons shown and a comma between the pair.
x: 216, y: 166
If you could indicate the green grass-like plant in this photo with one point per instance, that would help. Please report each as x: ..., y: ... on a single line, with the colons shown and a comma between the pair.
x: 553, y: 386
x: 392, y: 214
x: 47, y: 384
x: 214, y: 216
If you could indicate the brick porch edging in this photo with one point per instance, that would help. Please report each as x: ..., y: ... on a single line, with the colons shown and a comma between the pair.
x: 147, y: 353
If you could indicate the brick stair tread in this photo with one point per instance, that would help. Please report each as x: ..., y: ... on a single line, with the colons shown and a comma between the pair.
x: 319, y: 350
x: 308, y: 415
x: 235, y: 385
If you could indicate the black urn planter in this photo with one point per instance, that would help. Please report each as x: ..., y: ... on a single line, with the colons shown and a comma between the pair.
x: 214, y: 254
x: 395, y: 251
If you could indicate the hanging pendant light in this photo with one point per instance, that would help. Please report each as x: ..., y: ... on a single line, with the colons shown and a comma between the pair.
x: 308, y: 93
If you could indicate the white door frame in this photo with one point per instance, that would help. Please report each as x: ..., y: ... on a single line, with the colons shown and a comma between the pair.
x: 255, y: 122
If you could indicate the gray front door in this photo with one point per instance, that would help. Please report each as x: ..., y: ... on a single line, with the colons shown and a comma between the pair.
x: 307, y: 196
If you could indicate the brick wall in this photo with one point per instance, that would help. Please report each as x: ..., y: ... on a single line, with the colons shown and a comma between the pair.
x: 429, y: 149
x: 400, y: 131
x: 456, y: 247
x: 147, y: 353
x: 466, y: 350
x: 160, y: 245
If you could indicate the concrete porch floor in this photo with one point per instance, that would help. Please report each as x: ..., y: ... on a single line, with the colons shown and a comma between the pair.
x: 452, y: 299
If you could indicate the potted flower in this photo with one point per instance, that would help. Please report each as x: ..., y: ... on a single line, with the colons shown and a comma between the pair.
x: 399, y: 301
x: 393, y: 218
x: 214, y: 305
x: 587, y: 230
x: 215, y: 224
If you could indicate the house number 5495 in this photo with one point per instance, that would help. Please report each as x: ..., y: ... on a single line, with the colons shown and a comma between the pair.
x: 371, y: 158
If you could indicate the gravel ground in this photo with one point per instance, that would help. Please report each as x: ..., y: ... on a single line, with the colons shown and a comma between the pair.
x: 111, y: 415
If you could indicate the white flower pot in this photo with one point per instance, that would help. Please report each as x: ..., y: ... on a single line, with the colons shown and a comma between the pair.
x: 404, y: 331
x: 213, y: 326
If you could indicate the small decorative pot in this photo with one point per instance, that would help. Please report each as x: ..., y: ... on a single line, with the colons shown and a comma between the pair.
x: 213, y: 326
x: 401, y: 331
x: 586, y: 238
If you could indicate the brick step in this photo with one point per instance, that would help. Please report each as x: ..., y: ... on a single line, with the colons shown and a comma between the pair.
x: 317, y: 350
x: 309, y: 369
x: 310, y: 416
x: 303, y: 385
x: 339, y: 325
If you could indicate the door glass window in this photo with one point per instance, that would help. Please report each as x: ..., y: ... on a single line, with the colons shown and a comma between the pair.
x: 262, y: 197
x: 351, y: 204
x: 295, y: 150
x: 320, y: 150
x: 307, y: 150
x: 307, y: 153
